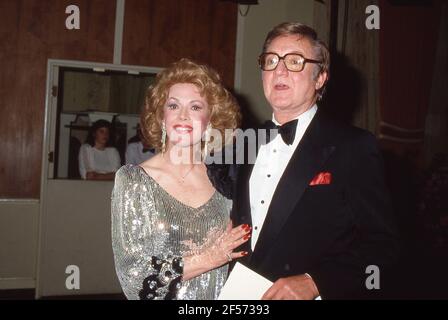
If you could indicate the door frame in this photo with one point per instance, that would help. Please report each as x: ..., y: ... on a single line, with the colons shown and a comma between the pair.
x: 49, y: 134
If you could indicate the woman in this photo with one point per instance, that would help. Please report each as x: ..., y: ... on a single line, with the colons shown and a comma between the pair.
x: 97, y: 159
x: 171, y: 232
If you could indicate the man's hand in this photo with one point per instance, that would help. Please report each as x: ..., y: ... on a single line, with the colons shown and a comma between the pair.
x: 301, y: 287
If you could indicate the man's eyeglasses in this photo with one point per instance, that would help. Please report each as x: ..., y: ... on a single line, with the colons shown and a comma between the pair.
x: 294, y: 62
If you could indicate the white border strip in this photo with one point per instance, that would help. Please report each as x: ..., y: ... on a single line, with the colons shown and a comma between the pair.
x: 119, y: 26
x: 401, y: 140
x: 96, y: 65
x: 44, y: 169
x: 19, y: 201
x: 397, y: 128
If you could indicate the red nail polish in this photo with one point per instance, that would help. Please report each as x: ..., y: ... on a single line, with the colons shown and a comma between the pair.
x: 245, y: 253
x: 247, y: 236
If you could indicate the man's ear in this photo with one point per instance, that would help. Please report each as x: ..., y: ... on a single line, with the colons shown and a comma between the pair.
x: 321, y: 80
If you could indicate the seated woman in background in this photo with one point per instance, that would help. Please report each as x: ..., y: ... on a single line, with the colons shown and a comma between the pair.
x: 97, y: 159
x: 171, y: 231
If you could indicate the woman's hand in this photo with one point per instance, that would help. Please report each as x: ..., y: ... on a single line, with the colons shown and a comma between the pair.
x: 219, y: 252
x: 91, y: 175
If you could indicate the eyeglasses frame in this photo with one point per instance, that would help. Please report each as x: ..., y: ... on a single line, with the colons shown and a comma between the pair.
x: 305, y: 61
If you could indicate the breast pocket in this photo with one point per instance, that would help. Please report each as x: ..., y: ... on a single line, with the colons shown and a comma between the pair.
x: 327, y: 202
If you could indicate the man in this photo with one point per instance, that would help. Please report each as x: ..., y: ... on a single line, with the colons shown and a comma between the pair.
x: 136, y: 152
x: 315, y: 197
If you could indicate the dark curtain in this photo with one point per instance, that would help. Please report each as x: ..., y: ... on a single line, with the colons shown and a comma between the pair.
x: 408, y: 42
x: 408, y: 45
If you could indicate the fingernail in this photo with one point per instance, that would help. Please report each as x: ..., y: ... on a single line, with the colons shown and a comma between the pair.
x: 245, y: 253
x: 247, y: 236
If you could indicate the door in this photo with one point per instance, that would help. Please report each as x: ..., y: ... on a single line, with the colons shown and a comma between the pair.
x: 75, y: 253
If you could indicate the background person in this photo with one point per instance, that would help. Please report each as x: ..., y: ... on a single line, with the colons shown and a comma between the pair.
x: 98, y: 160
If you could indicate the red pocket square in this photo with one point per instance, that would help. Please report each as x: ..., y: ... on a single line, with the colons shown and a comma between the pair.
x: 321, y: 178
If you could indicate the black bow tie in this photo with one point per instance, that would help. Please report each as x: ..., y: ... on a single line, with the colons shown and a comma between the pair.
x: 287, y: 131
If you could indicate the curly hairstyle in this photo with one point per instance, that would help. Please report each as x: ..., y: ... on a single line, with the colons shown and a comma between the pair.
x: 224, y: 110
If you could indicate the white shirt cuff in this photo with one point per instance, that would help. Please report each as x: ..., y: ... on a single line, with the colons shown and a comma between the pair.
x: 309, y: 276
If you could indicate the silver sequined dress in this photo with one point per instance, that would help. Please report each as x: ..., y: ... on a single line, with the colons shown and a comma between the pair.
x: 152, y: 231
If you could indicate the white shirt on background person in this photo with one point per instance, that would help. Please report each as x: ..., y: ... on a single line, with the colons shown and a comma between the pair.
x: 100, y: 161
x: 135, y: 154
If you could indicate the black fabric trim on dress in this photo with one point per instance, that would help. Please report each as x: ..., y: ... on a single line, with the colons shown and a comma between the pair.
x: 166, y: 282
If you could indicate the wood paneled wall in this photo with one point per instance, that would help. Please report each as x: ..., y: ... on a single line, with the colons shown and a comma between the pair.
x: 156, y: 33
x: 33, y: 31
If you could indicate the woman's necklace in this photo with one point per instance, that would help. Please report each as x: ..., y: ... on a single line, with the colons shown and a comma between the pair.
x: 188, y: 172
x: 182, y: 177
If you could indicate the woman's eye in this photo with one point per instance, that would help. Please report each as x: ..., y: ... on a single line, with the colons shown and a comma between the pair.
x: 196, y: 107
x: 172, y: 106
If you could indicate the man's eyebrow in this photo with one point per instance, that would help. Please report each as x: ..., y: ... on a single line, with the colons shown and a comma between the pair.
x: 297, y: 52
x: 292, y: 52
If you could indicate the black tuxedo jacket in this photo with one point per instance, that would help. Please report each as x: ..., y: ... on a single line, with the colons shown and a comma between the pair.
x: 331, y: 231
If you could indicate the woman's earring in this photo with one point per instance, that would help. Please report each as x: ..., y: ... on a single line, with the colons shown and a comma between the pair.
x: 163, y: 140
x: 207, y: 139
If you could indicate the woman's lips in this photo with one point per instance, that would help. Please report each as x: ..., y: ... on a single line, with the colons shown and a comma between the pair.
x: 183, y: 129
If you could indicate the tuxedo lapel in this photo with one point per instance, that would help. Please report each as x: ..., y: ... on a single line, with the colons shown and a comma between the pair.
x: 308, y: 158
x: 243, y: 200
x: 241, y: 213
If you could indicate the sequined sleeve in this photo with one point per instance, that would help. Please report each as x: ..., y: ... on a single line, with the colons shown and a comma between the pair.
x: 143, y: 273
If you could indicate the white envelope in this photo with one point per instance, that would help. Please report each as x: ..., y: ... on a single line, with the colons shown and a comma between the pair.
x: 244, y: 284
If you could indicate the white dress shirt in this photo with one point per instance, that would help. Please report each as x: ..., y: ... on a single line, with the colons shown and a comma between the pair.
x: 135, y: 154
x: 100, y: 161
x: 269, y: 166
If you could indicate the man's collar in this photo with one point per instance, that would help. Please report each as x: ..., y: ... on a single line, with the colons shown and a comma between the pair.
x: 307, y: 114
